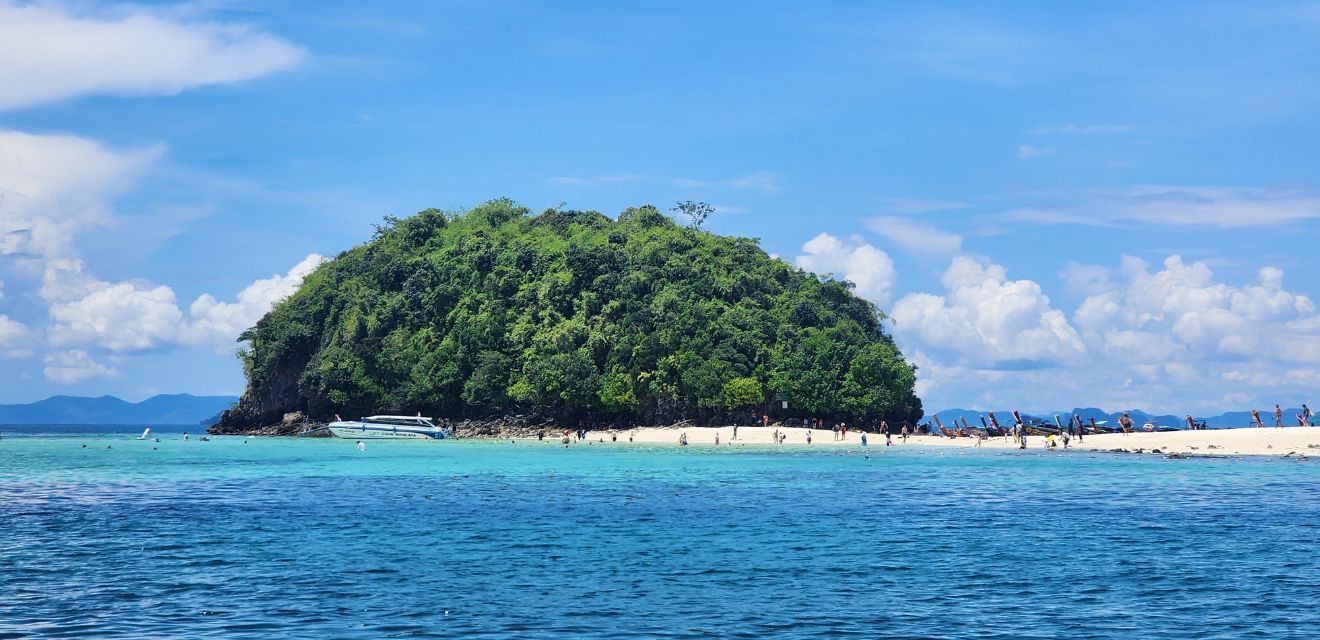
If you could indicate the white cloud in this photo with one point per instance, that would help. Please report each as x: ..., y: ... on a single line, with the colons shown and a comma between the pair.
x: 53, y: 51
x: 583, y: 182
x: 1222, y: 207
x: 75, y: 365
x: 986, y: 319
x: 218, y: 324
x: 52, y: 186
x: 915, y: 236
x: 869, y: 268
x: 1181, y: 313
x: 133, y: 317
x: 1027, y: 152
x: 909, y: 206
x: 15, y: 339
x: 1080, y: 129
x: 119, y: 317
x: 1171, y: 339
x: 761, y: 181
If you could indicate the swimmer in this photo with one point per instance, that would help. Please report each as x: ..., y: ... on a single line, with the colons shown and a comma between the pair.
x: 361, y: 446
x: 185, y: 436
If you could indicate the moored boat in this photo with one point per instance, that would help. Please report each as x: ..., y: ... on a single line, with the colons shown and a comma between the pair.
x: 388, y: 427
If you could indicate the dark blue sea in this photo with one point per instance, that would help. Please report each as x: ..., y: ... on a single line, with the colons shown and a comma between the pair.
x: 278, y: 537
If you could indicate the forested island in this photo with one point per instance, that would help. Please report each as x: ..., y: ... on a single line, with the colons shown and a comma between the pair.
x: 495, y: 314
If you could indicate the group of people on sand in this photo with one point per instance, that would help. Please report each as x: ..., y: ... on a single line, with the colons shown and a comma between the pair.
x: 1303, y: 417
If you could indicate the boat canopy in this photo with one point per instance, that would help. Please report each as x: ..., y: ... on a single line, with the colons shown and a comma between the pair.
x: 403, y: 421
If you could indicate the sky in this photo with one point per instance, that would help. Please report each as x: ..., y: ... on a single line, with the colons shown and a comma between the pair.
x: 1055, y: 204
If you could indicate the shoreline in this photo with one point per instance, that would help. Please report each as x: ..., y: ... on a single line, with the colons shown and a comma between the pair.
x: 1270, y: 441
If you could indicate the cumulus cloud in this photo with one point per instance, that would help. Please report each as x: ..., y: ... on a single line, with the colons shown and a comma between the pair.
x: 119, y: 317
x: 75, y: 365
x: 218, y: 324
x: 915, y: 236
x: 987, y: 319
x: 1170, y: 338
x: 15, y: 338
x: 53, y: 51
x: 1181, y: 312
x: 52, y: 186
x: 869, y: 268
x: 134, y: 317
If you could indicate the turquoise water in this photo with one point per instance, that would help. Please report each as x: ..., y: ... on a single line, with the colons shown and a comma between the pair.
x: 274, y: 537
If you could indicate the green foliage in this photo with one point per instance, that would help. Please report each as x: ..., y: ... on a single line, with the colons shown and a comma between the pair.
x: 572, y: 315
x: 740, y: 393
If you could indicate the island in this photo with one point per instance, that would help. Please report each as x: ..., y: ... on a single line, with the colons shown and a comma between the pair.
x: 499, y: 321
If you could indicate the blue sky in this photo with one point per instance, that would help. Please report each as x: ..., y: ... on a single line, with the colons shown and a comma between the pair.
x: 1067, y: 204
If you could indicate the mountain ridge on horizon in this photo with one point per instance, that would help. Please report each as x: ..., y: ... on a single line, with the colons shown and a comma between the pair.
x: 160, y: 409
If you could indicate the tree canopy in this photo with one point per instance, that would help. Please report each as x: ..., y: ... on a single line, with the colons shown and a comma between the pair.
x: 571, y: 315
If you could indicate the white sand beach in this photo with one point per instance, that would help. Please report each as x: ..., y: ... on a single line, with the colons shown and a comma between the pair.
x: 1297, y: 441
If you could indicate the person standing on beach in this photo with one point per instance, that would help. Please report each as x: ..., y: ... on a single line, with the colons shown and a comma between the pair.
x: 905, y: 433
x: 836, y: 432
x: 1255, y: 416
x: 1126, y: 423
x: 1306, y: 413
x: 717, y: 437
x: 808, y: 436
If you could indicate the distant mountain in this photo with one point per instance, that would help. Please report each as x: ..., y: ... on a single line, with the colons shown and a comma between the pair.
x: 182, y: 409
x: 1139, y: 417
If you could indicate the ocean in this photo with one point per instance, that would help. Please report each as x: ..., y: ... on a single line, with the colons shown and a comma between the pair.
x: 279, y: 537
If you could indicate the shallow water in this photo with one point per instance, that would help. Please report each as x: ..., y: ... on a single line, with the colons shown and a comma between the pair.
x: 273, y: 537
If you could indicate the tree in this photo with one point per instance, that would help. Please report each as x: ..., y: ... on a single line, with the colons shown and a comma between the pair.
x: 568, y: 314
x: 696, y: 211
x: 741, y: 393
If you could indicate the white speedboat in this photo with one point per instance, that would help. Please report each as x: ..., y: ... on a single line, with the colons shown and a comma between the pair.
x: 388, y: 427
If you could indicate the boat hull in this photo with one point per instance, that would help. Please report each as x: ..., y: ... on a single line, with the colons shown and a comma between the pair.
x: 384, y: 432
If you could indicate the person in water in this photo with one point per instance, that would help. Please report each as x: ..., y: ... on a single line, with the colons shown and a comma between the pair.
x: 361, y: 446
